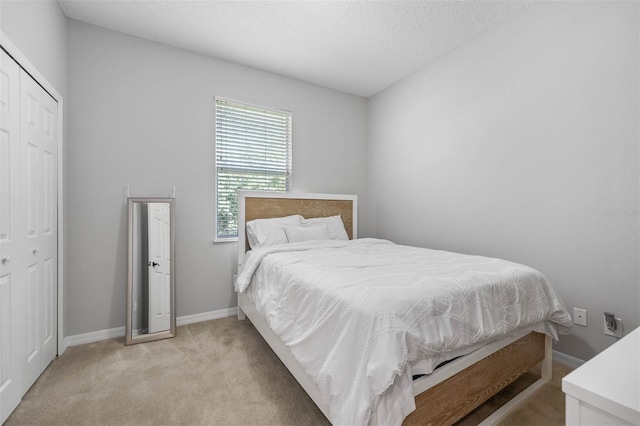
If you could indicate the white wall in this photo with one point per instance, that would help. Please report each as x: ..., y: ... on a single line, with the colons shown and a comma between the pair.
x: 519, y: 145
x: 142, y: 114
x: 39, y: 29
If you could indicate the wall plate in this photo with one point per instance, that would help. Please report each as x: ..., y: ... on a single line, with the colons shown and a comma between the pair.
x: 580, y: 316
x: 617, y: 332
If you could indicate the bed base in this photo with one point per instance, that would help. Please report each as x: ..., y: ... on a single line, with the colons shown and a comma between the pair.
x: 450, y: 392
x: 456, y: 389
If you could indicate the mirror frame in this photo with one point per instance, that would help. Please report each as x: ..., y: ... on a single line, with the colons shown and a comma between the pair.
x: 171, y: 332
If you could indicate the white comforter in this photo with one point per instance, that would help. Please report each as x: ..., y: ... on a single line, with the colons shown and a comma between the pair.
x: 358, y: 315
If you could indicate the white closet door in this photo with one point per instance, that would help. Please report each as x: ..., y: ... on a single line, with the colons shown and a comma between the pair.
x: 48, y: 249
x: 159, y: 267
x: 38, y: 136
x: 11, y: 243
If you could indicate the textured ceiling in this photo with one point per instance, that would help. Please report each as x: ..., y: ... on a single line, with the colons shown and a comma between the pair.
x: 359, y: 47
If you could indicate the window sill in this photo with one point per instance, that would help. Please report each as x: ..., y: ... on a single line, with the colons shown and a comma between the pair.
x: 225, y: 240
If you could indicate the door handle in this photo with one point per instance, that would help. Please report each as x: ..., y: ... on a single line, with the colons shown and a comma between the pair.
x: 6, y: 260
x: 36, y: 250
x: 154, y: 264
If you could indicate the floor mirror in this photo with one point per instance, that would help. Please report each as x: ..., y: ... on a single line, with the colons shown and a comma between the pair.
x: 151, y: 303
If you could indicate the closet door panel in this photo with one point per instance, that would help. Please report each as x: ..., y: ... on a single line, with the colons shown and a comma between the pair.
x: 50, y: 147
x: 49, y: 240
x: 30, y: 140
x: 37, y: 134
x: 33, y: 312
x: 49, y: 307
x: 31, y: 135
x: 11, y: 243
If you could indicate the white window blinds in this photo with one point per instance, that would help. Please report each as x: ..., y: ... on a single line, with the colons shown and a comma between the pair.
x: 253, y: 152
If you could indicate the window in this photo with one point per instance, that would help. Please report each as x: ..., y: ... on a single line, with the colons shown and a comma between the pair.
x: 253, y: 152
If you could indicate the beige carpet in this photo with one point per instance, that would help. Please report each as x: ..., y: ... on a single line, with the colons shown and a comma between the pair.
x: 218, y: 372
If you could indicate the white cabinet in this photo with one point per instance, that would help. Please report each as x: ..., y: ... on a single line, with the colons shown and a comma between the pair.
x: 606, y: 389
x: 28, y: 232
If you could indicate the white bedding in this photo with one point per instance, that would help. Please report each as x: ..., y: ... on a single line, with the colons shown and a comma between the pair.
x: 363, y: 316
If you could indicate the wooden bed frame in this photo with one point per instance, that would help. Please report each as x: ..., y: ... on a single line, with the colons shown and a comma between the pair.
x: 442, y: 397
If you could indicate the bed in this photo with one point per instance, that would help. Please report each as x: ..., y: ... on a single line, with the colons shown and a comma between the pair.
x: 474, y: 370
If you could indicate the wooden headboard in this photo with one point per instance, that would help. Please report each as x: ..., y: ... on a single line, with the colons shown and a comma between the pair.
x: 264, y: 205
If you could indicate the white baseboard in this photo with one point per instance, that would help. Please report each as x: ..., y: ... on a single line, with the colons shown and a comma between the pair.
x: 206, y: 316
x: 567, y: 360
x: 97, y: 336
x: 94, y: 336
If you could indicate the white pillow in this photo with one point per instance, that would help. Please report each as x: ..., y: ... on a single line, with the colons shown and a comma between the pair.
x: 334, y: 226
x: 296, y: 234
x: 267, y: 232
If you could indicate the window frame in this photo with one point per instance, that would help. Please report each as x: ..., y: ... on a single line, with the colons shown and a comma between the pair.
x: 289, y: 165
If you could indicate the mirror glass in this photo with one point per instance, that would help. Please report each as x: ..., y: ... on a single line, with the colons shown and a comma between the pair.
x: 151, y: 286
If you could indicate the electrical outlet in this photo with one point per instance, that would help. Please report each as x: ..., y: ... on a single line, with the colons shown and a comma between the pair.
x: 580, y: 316
x: 617, y: 332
